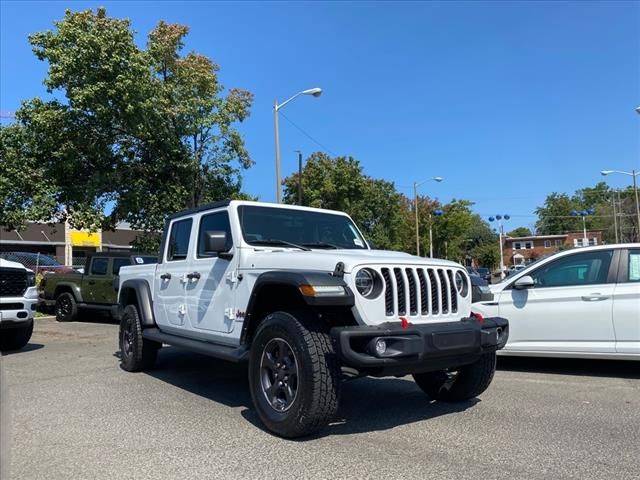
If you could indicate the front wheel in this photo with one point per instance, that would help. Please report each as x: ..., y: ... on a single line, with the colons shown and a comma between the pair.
x: 468, y: 382
x: 294, y: 375
x: 16, y: 338
x: 136, y: 353
x: 66, y: 307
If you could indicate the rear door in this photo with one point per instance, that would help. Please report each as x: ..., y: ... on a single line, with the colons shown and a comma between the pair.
x: 171, y: 275
x: 97, y: 281
x: 626, y: 303
x: 569, y: 309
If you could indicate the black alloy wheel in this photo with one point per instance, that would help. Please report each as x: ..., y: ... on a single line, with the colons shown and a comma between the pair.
x: 279, y: 374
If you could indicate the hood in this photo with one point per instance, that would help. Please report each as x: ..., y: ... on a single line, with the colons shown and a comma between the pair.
x: 326, y: 260
x: 7, y: 264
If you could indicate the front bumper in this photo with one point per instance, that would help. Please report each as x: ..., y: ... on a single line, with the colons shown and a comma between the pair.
x: 419, y: 348
x: 19, y: 309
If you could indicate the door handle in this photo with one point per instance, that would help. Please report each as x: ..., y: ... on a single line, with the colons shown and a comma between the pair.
x: 92, y: 282
x: 165, y: 276
x: 193, y: 275
x: 596, y: 297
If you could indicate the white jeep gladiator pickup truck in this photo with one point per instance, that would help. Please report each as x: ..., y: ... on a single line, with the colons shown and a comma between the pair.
x: 299, y: 294
x: 18, y: 299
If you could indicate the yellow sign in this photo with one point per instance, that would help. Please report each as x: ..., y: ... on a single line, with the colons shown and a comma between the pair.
x: 85, y: 239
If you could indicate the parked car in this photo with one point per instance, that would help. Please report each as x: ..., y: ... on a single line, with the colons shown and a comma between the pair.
x: 93, y: 290
x: 298, y: 293
x: 18, y: 298
x: 36, y: 262
x: 582, y: 303
x: 485, y: 273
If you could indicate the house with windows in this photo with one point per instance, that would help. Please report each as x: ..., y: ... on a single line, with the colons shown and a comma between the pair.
x: 524, y: 250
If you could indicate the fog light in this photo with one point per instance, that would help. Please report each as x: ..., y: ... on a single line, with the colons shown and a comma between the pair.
x: 381, y: 346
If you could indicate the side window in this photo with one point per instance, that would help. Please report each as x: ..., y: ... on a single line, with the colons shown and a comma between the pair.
x: 99, y: 265
x: 179, y: 240
x: 117, y: 263
x: 215, y: 221
x: 634, y: 266
x: 579, y: 269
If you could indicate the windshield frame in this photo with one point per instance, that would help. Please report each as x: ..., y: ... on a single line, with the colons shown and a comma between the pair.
x: 240, y: 212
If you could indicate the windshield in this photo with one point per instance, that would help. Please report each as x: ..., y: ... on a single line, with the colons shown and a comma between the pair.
x: 302, y: 228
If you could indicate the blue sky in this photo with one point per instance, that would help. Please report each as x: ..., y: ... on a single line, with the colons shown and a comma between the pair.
x: 507, y: 101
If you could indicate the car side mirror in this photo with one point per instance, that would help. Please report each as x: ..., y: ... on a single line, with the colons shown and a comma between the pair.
x: 524, y: 282
x: 216, y: 243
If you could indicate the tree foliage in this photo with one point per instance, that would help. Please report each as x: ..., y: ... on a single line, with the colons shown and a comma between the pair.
x: 134, y: 132
x: 340, y: 184
x: 520, y: 232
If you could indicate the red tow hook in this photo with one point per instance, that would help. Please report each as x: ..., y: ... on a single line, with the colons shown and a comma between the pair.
x: 404, y: 323
x: 478, y: 317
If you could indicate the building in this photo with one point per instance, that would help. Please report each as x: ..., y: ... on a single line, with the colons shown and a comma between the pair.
x: 523, y: 250
x: 68, y: 246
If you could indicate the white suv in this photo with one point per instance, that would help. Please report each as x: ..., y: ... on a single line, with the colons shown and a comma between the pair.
x: 18, y: 300
x: 299, y: 294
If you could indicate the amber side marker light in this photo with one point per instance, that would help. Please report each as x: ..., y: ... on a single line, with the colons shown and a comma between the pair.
x: 322, y: 290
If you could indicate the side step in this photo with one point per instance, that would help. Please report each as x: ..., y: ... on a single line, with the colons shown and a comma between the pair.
x: 223, y: 352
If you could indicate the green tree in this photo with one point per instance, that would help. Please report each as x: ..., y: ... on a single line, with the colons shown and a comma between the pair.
x: 520, y: 232
x: 340, y: 184
x: 487, y: 255
x: 554, y: 217
x: 132, y: 134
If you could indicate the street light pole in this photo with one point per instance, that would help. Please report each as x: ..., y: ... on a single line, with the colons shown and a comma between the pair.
x: 633, y: 174
x: 315, y: 92
x: 498, y: 219
x: 415, y: 207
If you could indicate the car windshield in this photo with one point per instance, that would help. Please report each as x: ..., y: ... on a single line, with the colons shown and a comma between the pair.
x: 301, y: 228
x: 33, y: 258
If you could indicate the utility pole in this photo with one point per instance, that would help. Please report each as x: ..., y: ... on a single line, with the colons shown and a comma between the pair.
x: 615, y: 218
x: 299, y: 177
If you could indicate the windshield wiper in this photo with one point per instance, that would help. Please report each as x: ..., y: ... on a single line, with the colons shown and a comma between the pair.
x: 321, y: 245
x: 275, y: 241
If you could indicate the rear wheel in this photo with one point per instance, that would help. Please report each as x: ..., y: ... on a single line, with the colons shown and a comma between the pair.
x: 66, y: 307
x: 294, y: 375
x: 467, y: 382
x: 136, y: 353
x: 16, y: 338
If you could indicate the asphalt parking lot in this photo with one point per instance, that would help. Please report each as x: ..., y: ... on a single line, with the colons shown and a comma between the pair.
x: 74, y: 414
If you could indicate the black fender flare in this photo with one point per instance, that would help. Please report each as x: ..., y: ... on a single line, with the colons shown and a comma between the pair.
x: 74, y: 287
x: 297, y: 279
x: 143, y: 297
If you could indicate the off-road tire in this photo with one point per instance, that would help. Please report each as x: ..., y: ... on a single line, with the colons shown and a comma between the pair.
x: 136, y: 353
x: 66, y: 308
x: 470, y: 380
x: 318, y: 375
x: 16, y: 338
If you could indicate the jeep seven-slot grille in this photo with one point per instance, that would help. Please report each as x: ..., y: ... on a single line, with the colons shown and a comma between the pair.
x: 13, y: 282
x: 420, y: 291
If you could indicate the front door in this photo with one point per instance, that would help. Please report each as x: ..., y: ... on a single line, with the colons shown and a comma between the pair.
x: 569, y: 308
x: 98, y: 283
x: 210, y: 289
x: 171, y: 276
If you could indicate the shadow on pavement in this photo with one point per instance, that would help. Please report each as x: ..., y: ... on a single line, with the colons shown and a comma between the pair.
x: 572, y: 366
x: 27, y: 348
x: 366, y: 405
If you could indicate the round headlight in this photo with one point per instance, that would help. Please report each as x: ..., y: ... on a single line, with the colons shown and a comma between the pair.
x: 461, y: 284
x: 364, y: 282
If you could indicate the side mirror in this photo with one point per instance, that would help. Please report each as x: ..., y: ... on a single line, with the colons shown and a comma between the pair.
x: 215, y: 242
x: 523, y: 283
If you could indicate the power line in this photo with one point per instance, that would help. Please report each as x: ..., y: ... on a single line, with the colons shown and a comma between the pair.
x: 307, y: 135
